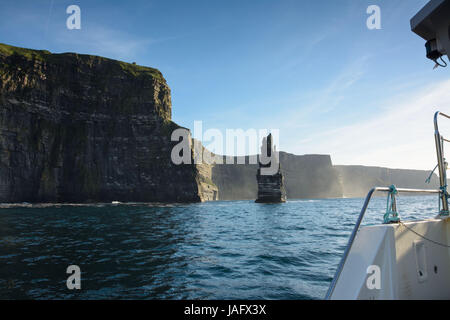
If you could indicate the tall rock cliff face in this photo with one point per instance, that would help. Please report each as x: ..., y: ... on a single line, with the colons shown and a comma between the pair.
x: 310, y: 176
x: 86, y: 128
x: 236, y: 181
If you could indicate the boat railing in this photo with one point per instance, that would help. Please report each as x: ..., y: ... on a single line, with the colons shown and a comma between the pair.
x: 442, y: 164
x: 358, y: 223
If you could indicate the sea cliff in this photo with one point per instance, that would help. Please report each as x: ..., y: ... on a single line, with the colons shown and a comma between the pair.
x: 81, y: 128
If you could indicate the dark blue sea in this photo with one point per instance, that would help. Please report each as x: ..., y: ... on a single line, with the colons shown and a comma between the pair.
x: 213, y: 250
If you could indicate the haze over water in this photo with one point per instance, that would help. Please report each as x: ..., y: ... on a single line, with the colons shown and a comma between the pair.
x: 212, y: 250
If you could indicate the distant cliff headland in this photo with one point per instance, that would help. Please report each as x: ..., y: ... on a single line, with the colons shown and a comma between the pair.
x: 82, y: 128
x: 314, y: 176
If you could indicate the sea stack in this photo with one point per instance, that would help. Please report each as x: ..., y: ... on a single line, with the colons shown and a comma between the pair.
x: 269, y: 177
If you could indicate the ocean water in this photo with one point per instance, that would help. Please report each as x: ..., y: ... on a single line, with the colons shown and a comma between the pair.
x: 213, y: 250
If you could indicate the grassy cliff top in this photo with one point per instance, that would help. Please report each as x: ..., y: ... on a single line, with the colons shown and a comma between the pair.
x: 47, y: 56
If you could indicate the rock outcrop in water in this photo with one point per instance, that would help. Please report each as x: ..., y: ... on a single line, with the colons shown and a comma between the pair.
x: 80, y: 128
x: 270, y: 185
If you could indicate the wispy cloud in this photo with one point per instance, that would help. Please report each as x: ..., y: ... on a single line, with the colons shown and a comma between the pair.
x: 330, y: 96
x: 400, y: 136
x: 47, y: 21
x: 327, y: 98
x: 105, y: 42
x: 295, y: 53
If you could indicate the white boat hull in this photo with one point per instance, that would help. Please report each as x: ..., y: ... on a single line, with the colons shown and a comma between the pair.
x: 394, y: 261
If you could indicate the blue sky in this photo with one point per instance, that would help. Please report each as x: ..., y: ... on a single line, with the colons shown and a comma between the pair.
x: 311, y: 69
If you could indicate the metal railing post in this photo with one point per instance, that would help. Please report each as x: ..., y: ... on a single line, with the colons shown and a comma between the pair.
x: 441, y: 163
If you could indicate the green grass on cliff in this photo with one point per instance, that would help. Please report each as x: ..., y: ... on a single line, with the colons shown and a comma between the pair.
x: 28, y: 53
x: 47, y: 56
